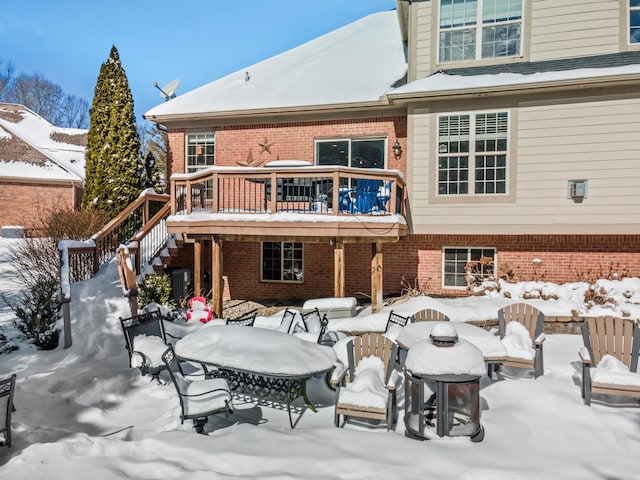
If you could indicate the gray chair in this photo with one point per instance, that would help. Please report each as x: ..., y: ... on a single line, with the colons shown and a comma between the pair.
x: 613, y: 336
x: 430, y: 315
x: 198, y: 398
x: 7, y: 387
x: 348, y: 402
x: 533, y: 321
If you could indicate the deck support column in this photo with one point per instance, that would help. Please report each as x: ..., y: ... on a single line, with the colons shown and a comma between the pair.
x: 338, y: 268
x: 376, y: 277
x: 197, y: 267
x: 217, y: 282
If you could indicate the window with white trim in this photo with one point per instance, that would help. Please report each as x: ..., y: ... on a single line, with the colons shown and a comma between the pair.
x: 282, y: 262
x: 477, y: 29
x: 460, y: 263
x: 200, y: 151
x: 634, y: 21
x: 472, y: 153
x: 352, y: 152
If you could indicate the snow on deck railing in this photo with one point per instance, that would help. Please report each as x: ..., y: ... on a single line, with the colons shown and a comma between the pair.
x: 315, y: 189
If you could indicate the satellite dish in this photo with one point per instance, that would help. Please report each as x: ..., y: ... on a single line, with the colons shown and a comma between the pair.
x: 169, y: 90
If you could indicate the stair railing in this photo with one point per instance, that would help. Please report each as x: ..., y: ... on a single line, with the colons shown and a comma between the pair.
x: 144, y: 217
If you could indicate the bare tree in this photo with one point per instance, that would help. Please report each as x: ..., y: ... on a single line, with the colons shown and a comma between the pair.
x: 47, y: 99
x: 6, y: 73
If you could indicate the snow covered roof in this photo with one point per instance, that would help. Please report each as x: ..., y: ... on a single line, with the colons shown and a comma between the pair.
x: 508, y: 77
x: 30, y: 147
x: 355, y: 64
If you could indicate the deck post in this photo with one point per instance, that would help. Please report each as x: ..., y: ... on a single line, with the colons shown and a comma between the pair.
x: 217, y: 282
x: 338, y: 268
x: 197, y: 267
x: 376, y: 276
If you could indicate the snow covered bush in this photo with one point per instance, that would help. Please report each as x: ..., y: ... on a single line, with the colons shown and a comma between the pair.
x: 38, y: 311
x: 155, y: 288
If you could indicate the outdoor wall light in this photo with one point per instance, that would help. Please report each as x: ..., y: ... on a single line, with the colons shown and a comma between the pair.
x: 397, y: 149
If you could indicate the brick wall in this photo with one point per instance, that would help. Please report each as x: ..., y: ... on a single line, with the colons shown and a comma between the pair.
x: 565, y: 258
x: 288, y: 141
x: 21, y: 203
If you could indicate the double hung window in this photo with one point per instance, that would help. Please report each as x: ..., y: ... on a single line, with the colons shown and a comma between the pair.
x: 282, y: 262
x: 478, y: 29
x: 200, y: 151
x: 460, y: 263
x: 472, y: 154
x: 634, y: 21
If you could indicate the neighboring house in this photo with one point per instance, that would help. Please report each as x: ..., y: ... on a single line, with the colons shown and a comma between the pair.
x: 41, y: 166
x: 518, y: 127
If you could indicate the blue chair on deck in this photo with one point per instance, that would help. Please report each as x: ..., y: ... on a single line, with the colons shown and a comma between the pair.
x: 367, y: 195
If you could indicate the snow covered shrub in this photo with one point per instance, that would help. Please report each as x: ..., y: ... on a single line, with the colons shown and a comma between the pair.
x: 38, y: 312
x: 155, y: 288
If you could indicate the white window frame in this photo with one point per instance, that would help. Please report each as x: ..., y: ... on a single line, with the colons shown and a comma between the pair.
x: 204, y: 143
x: 479, y: 26
x: 350, y: 141
x: 282, y: 261
x: 635, y: 9
x: 472, y: 155
x: 468, y: 249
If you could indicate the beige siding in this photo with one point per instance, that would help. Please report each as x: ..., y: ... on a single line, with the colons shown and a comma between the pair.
x: 552, y: 29
x: 594, y: 140
x: 571, y: 28
x: 423, y: 40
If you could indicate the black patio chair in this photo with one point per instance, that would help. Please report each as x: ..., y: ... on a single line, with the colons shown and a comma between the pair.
x: 146, y: 340
x: 198, y: 398
x: 396, y: 319
x: 315, y: 323
x: 244, y: 320
x: 287, y: 324
x: 7, y: 387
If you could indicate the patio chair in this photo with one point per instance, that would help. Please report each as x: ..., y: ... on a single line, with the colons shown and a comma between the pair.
x: 371, y: 391
x: 198, y: 310
x: 395, y: 323
x: 315, y: 326
x: 430, y: 315
x: 520, y: 326
x: 145, y: 341
x: 287, y: 324
x: 198, y: 398
x: 244, y: 320
x: 367, y: 195
x: 610, y: 357
x: 7, y: 387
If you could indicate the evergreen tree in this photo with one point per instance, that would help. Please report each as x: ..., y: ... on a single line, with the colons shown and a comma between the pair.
x: 114, y: 167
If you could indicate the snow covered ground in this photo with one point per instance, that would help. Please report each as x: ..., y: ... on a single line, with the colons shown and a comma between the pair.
x: 82, y: 413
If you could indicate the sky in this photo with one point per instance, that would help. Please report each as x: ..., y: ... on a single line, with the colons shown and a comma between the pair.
x: 83, y: 413
x: 196, y: 41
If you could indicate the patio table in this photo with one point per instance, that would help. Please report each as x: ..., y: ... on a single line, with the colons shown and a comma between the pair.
x: 493, y: 351
x: 262, y: 362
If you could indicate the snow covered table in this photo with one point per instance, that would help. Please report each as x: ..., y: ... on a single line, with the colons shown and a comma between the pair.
x: 493, y: 351
x: 259, y: 361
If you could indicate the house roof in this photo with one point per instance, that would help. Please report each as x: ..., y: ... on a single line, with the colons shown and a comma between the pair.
x: 355, y: 64
x: 32, y: 148
x: 520, y: 75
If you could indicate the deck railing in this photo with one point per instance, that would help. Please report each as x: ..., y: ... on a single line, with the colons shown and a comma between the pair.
x: 140, y: 216
x: 316, y: 190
